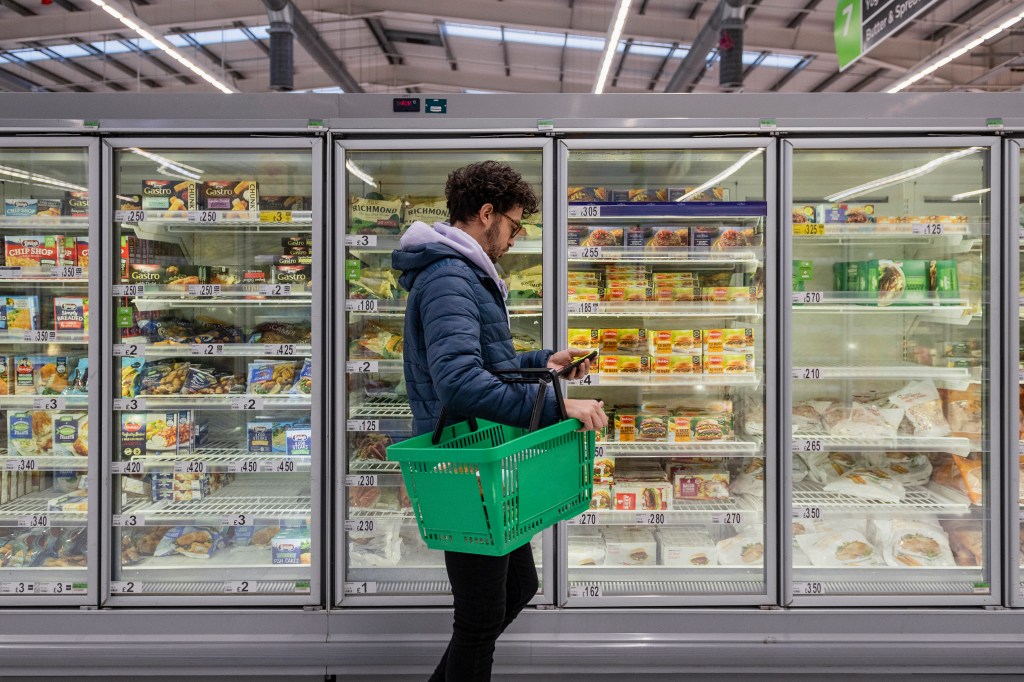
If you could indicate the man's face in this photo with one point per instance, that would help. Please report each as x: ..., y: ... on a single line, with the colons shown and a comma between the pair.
x: 499, y: 232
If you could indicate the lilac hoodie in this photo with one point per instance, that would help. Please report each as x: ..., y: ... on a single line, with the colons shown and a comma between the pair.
x: 460, y: 242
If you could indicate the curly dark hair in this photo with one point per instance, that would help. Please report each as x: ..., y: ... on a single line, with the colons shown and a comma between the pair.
x: 488, y: 182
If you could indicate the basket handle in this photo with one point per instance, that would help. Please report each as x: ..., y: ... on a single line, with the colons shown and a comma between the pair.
x: 534, y: 375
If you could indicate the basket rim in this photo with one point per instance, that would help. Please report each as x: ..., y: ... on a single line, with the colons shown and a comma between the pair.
x: 413, y: 450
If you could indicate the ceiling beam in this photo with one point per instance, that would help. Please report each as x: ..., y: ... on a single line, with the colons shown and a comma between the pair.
x: 389, y: 49
x: 867, y: 80
x: 14, y: 83
x: 114, y: 63
x: 799, y: 17
x: 153, y: 59
x: 76, y: 66
x: 504, y: 53
x: 68, y: 5
x: 214, y: 58
x: 661, y: 67
x: 18, y: 8
x: 791, y: 74
x: 260, y: 45
x: 45, y: 73
x: 659, y: 25
x: 622, y: 61
x: 961, y: 19
x: 442, y: 30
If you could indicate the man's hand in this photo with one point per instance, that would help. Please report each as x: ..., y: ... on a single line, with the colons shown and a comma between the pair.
x: 590, y: 412
x: 563, y: 357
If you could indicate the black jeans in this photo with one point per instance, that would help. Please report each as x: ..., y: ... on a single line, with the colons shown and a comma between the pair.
x: 489, y: 592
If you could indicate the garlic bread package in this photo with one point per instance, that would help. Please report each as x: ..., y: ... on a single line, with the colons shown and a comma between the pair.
x: 868, y: 484
x: 906, y: 542
x: 843, y: 548
x: 923, y: 408
x: 744, y: 549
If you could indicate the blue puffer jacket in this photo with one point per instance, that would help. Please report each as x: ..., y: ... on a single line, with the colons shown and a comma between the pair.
x: 455, y: 330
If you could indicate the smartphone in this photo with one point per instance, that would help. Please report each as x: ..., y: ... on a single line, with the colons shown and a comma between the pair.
x: 568, y: 369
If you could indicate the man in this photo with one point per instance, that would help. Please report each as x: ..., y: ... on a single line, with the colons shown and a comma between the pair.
x: 456, y: 329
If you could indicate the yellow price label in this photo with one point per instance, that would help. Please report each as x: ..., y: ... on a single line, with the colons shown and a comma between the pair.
x: 275, y: 216
x: 809, y: 229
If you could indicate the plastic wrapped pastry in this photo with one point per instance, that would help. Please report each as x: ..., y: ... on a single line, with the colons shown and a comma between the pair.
x: 858, y: 421
x: 743, y: 549
x: 824, y: 467
x: 380, y: 547
x: 799, y: 472
x: 868, y: 484
x: 909, y: 468
x: 843, y: 548
x: 923, y: 408
x: 912, y: 543
x: 966, y: 542
x: 750, y: 479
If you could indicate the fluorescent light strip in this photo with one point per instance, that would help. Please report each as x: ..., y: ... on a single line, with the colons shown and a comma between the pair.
x: 170, y: 51
x: 360, y: 173
x: 166, y: 164
x: 902, y: 176
x: 959, y: 52
x: 612, y: 44
x: 728, y: 172
x: 968, y: 195
x: 34, y: 179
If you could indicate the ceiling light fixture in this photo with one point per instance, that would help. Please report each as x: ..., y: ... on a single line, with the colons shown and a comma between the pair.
x: 968, y: 195
x: 1004, y: 23
x: 902, y: 176
x: 111, y: 9
x: 612, y: 43
x: 32, y: 178
x: 744, y: 160
x: 360, y: 173
x: 190, y: 172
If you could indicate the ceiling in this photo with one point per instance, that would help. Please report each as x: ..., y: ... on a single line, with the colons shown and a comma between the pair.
x: 409, y: 46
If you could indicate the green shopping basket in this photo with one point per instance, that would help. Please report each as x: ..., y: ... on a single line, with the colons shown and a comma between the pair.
x: 486, y: 488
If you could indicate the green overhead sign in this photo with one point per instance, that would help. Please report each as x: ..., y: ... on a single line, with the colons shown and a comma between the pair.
x: 861, y: 25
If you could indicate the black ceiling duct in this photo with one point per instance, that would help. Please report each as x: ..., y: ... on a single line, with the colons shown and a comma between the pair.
x: 282, y: 45
x: 730, y: 45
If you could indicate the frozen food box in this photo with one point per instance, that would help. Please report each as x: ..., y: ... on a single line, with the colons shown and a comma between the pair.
x: 230, y: 195
x: 689, y: 547
x: 299, y: 442
x: 133, y: 435
x: 33, y: 251
x: 604, y: 469
x: 625, y: 340
x: 577, y: 234
x: 259, y: 436
x: 652, y: 428
x: 705, y: 428
x: 6, y: 375
x: 375, y: 214
x: 169, y: 195
x: 21, y: 208
x: 729, y: 294
x: 71, y: 434
x: 589, y: 339
x: 701, y: 485
x: 586, y: 550
x: 428, y: 210
x: 69, y: 313
x: 291, y: 546
x: 630, y: 551
x: 49, y: 207
x: 894, y: 281
x: 676, y: 294
x: 679, y: 363
x: 943, y: 278
x: 703, y: 195
x: 591, y: 194
x: 296, y: 275
x: 628, y: 293
x: 603, y: 236
x: 646, y: 496
x: 285, y: 203
x: 625, y: 425
x: 659, y: 237
x: 19, y: 312
x: 640, y: 195
x: 845, y: 276
x: 150, y: 273
x: 76, y: 204
x: 20, y: 439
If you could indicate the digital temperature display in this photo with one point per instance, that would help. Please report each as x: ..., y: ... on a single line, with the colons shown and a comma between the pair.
x: 407, y: 105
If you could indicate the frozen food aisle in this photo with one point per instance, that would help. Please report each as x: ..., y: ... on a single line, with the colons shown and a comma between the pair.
x: 807, y: 326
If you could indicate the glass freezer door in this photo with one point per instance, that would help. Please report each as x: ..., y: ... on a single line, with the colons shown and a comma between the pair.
x: 892, y: 479
x: 382, y: 189
x: 666, y: 255
x: 1014, y: 393
x: 48, y: 459
x: 213, y: 271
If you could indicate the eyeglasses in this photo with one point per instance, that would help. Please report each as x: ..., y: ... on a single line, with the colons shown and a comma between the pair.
x: 517, y: 225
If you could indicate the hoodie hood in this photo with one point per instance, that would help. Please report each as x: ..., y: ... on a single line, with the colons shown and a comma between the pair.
x: 419, y: 250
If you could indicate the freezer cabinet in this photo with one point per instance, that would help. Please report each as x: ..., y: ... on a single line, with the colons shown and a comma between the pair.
x: 381, y: 189
x: 214, y: 342
x: 48, y: 454
x: 669, y: 251
x: 890, y: 360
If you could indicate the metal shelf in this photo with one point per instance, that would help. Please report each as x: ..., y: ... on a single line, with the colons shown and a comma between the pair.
x: 663, y: 309
x: 373, y: 466
x: 35, y: 338
x: 381, y: 408
x: 224, y: 509
x: 18, y: 512
x: 230, y: 564
x: 226, y: 460
x: 62, y: 223
x: 396, y: 306
x: 42, y: 462
x: 897, y: 371
x: 158, y: 298
x: 951, y: 234
x: 918, y: 500
x: 387, y: 244
x: 946, y: 310
x: 25, y: 402
x: 215, y: 221
x: 683, y: 512
x: 957, y: 446
x: 646, y: 581
x: 206, y: 402
x: 588, y: 212
x: 714, y: 449
x: 652, y: 380
x: 239, y: 350
x: 43, y: 280
x: 674, y: 255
